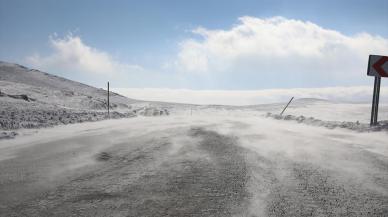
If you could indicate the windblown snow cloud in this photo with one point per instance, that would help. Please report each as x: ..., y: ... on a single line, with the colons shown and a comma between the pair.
x: 278, y: 47
x: 72, y: 54
x: 251, y: 97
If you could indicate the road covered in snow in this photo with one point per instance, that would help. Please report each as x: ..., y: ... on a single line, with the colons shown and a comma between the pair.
x: 201, y: 165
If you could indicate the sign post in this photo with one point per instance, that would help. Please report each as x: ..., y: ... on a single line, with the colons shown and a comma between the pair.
x: 377, y: 67
x: 108, y: 100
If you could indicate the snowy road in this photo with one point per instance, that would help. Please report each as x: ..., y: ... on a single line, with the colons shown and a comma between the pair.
x: 204, y: 165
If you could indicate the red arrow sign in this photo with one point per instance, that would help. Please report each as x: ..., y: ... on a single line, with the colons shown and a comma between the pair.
x: 378, y: 66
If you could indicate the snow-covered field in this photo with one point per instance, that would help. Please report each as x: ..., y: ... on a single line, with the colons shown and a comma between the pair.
x: 319, y: 159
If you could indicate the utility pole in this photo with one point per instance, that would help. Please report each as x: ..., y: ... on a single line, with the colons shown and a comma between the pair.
x: 108, y: 101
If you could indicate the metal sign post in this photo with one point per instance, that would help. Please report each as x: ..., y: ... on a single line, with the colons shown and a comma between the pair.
x: 377, y: 67
x: 108, y: 101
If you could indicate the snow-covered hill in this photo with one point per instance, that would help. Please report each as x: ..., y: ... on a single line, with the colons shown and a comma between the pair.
x: 53, y: 90
x: 30, y: 98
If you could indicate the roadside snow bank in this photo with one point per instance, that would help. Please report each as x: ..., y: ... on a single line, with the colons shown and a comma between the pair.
x: 356, y: 126
x: 151, y: 111
x: 11, y: 119
x: 8, y: 135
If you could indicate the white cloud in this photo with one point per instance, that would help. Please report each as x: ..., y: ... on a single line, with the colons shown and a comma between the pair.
x: 71, y: 54
x: 251, y: 97
x: 283, y: 47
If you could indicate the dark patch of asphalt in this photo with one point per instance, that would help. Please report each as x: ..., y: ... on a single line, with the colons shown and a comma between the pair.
x: 309, y: 190
x: 207, y: 177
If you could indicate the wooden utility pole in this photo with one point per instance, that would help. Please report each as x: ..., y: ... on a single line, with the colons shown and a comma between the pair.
x: 108, y: 101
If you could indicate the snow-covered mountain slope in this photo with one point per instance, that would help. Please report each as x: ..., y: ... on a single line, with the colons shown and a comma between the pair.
x: 56, y: 91
x: 30, y: 98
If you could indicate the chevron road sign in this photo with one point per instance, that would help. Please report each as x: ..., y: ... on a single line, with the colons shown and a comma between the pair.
x: 378, y: 66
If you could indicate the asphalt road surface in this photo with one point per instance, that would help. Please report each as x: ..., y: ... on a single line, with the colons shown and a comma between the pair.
x: 194, y: 166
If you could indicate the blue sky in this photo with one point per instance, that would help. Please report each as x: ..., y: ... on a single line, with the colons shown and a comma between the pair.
x: 185, y: 44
